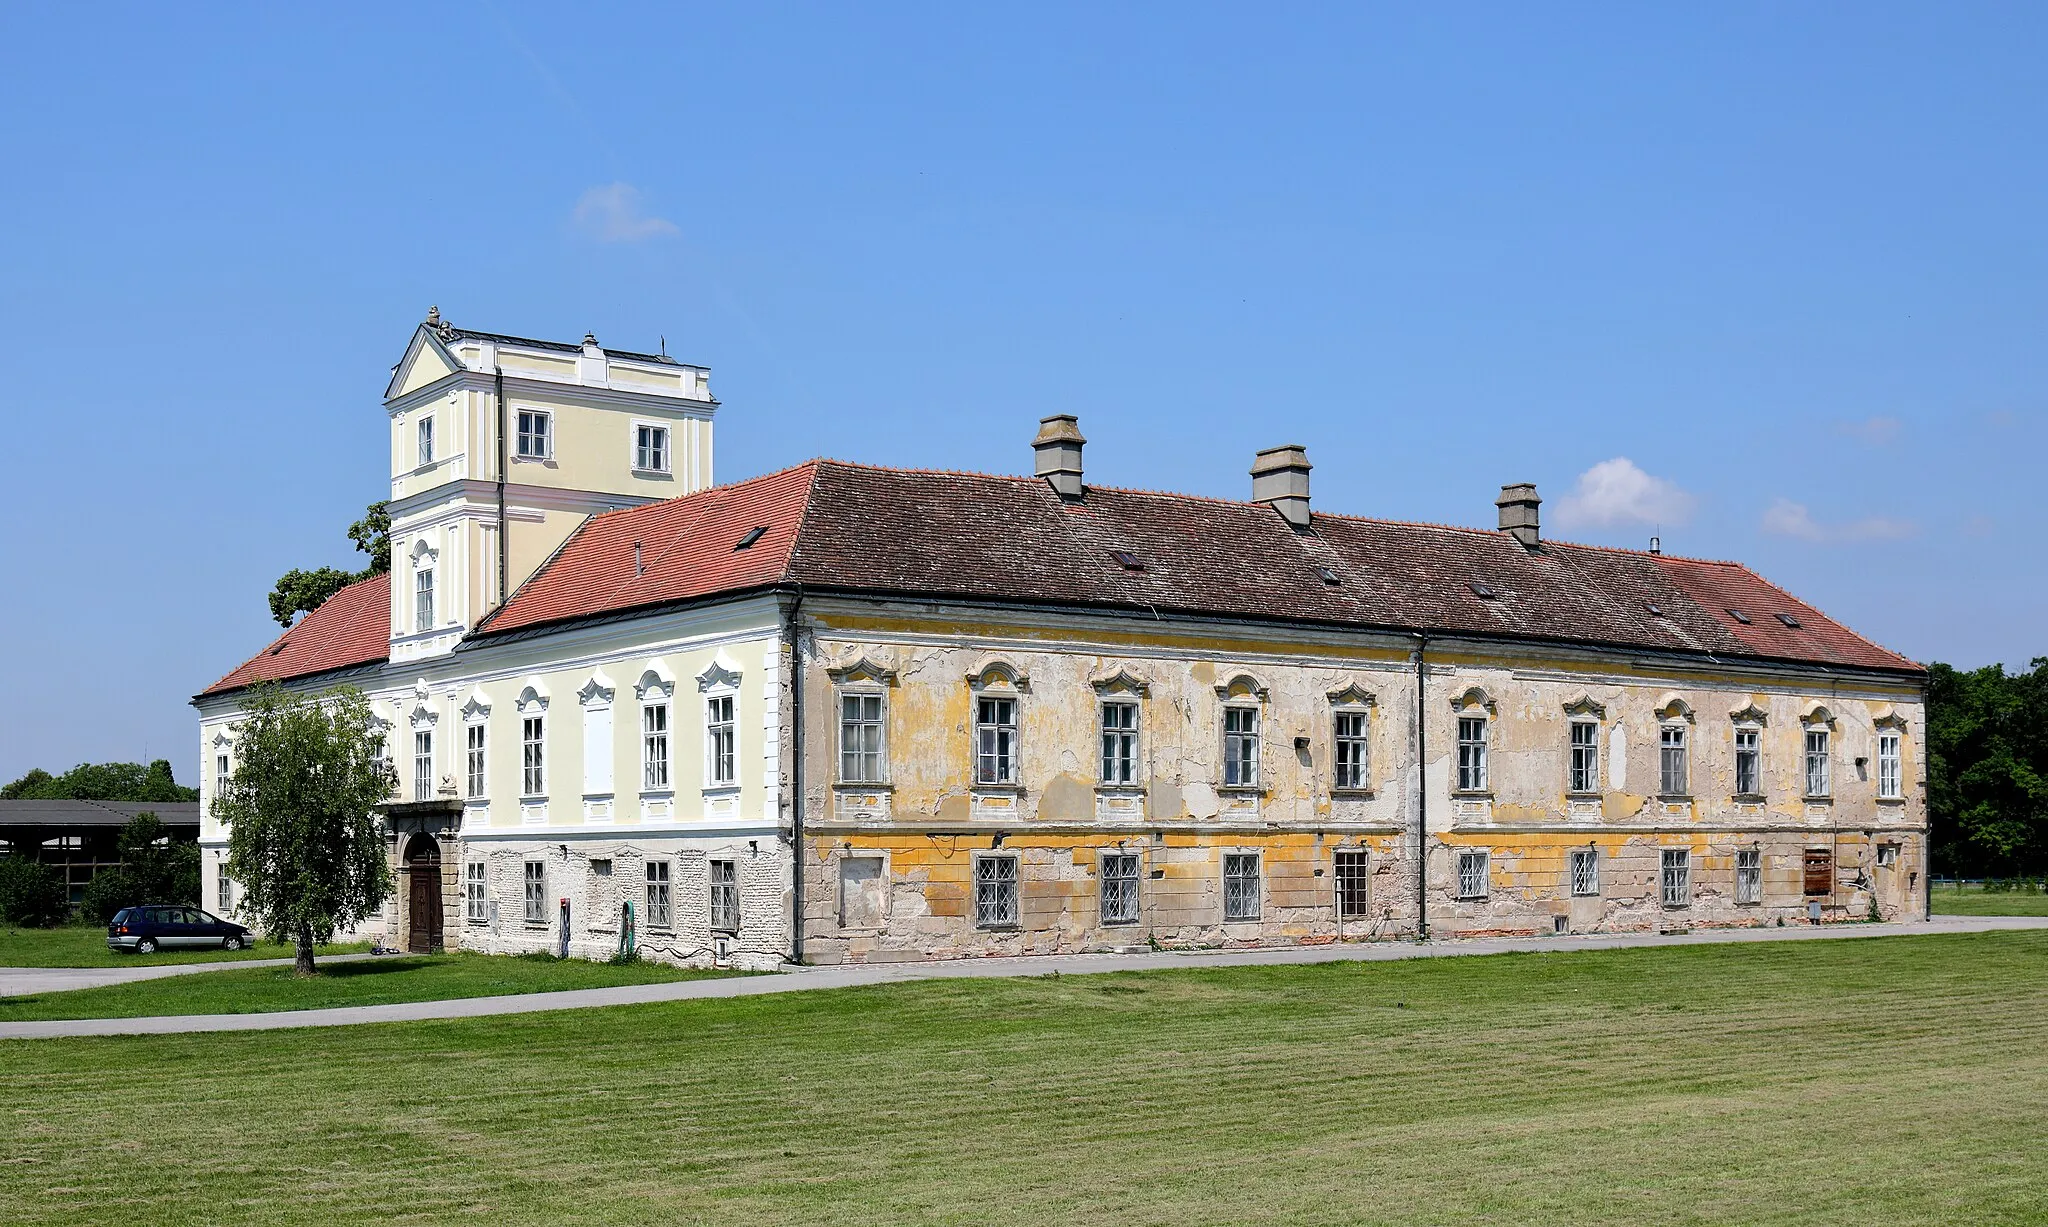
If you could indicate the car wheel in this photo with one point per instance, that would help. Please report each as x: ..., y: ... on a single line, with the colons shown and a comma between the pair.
x: 146, y: 946
x: 230, y: 942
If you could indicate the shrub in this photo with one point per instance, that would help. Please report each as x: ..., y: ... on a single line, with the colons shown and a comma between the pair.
x: 109, y: 891
x: 32, y: 894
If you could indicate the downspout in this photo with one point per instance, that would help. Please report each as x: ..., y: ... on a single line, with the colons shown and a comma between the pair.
x: 796, y: 777
x: 1421, y: 800
x: 504, y: 461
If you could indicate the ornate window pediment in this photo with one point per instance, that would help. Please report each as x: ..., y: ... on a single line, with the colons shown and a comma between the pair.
x: 1817, y: 713
x: 424, y: 717
x: 1473, y: 697
x: 1353, y: 695
x: 1122, y: 681
x: 720, y: 674
x: 1672, y: 708
x: 656, y: 684
x: 1750, y: 714
x: 1240, y: 687
x: 998, y: 674
x: 1584, y: 706
x: 1889, y: 718
x: 533, y: 698
x: 598, y: 691
x: 477, y: 707
x: 862, y: 670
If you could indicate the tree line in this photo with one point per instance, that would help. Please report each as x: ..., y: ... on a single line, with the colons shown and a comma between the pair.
x: 1987, y: 770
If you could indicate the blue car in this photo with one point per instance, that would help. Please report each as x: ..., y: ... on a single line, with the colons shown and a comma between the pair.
x: 146, y: 930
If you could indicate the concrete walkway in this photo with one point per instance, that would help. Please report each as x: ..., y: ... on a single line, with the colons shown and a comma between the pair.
x: 803, y: 978
x: 21, y: 981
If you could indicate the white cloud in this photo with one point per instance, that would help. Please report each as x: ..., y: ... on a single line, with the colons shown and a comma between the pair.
x: 1876, y: 431
x: 1785, y: 518
x: 613, y: 214
x: 1615, y: 493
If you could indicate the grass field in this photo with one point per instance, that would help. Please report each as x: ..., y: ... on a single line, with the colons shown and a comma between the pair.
x: 1974, y: 901
x: 86, y: 946
x: 1877, y: 1081
x: 371, y: 982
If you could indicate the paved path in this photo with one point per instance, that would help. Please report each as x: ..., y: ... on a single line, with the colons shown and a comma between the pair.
x: 21, y: 981
x: 800, y: 979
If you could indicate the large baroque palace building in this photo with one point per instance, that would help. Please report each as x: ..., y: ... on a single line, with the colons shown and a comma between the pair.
x: 850, y: 713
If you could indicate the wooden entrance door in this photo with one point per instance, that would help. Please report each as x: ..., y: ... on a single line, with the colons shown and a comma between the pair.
x: 423, y: 902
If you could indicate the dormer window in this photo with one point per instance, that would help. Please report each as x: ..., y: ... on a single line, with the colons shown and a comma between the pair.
x: 426, y: 437
x: 650, y: 448
x: 536, y: 435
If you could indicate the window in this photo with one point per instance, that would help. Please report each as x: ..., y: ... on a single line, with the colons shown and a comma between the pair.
x: 1585, y: 872
x: 1888, y: 774
x: 536, y: 892
x: 995, y: 741
x: 1241, y: 747
x: 221, y: 775
x: 1819, y: 876
x: 423, y: 599
x: 995, y: 892
x: 1352, y: 878
x: 535, y: 435
x: 1119, y: 742
x: 650, y: 448
x: 1351, y: 761
x: 423, y: 765
x: 1673, y: 777
x: 1677, y: 877
x: 860, y: 738
x: 426, y: 440
x: 1585, y: 761
x: 1749, y: 774
x: 1471, y: 754
x: 1119, y: 888
x: 659, y: 913
x: 725, y: 896
x: 1749, y: 875
x: 654, y: 746
x: 224, y: 887
x: 533, y: 776
x: 1241, y: 885
x: 718, y: 739
x: 1887, y: 856
x: 1816, y: 762
x: 475, y: 733
x: 475, y: 905
x: 1472, y: 877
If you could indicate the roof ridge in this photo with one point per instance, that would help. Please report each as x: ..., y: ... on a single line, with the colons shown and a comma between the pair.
x: 803, y: 516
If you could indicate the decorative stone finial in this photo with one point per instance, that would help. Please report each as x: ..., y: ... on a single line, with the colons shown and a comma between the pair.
x: 433, y: 317
x: 590, y: 338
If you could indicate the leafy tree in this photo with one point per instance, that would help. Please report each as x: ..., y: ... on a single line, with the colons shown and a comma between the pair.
x: 32, y: 893
x: 102, y: 782
x: 302, y: 840
x: 300, y: 591
x: 155, y: 868
x: 1987, y: 768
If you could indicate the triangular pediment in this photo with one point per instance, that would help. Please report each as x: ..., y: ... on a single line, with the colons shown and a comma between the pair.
x: 426, y: 360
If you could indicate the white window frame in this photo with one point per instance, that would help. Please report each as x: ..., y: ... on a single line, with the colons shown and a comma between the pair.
x: 998, y: 739
x: 997, y: 890
x: 423, y: 597
x: 223, y: 773
x: 542, y: 434
x: 1351, y: 749
x: 1583, y: 872
x: 1119, y: 901
x: 1243, y: 751
x: 476, y: 758
x: 1818, y: 745
x: 1351, y: 876
x: 1582, y: 761
x: 1475, y: 734
x: 1475, y: 873
x: 424, y: 438
x: 533, y: 754
x: 655, y: 773
x: 1674, y: 877
x: 1117, y: 722
x: 1887, y: 856
x: 722, y: 887
x: 476, y: 908
x: 661, y: 900
x: 1674, y: 759
x: 651, y: 447
x: 535, y: 894
x: 1891, y: 759
x: 870, y: 763
x: 1749, y: 876
x: 1243, y: 891
x: 1754, y: 754
x: 721, y: 740
x: 422, y: 764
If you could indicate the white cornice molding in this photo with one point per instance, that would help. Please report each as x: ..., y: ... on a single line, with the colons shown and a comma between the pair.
x: 546, y: 392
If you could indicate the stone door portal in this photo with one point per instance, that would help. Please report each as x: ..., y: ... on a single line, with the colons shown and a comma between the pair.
x: 423, y: 901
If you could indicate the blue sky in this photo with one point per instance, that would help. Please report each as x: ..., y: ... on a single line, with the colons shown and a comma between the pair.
x: 1767, y: 280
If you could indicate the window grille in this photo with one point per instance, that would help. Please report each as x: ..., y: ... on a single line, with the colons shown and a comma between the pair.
x: 423, y: 765
x: 536, y: 892
x: 995, y: 891
x: 1677, y: 877
x: 1749, y: 875
x: 659, y: 912
x: 1472, y: 875
x: 534, y: 429
x: 474, y: 759
x: 1674, y: 778
x: 1585, y: 872
x: 654, y: 746
x: 995, y: 741
x: 860, y: 738
x: 1471, y: 754
x: 1585, y: 758
x: 1119, y: 742
x: 1119, y: 888
x: 1816, y: 762
x: 1241, y: 747
x: 423, y: 599
x: 1888, y: 773
x: 1351, y: 750
x: 725, y: 896
x: 426, y: 440
x: 475, y: 904
x: 1749, y: 775
x: 718, y: 737
x: 1240, y: 886
x: 1352, y: 870
x: 650, y: 448
x: 533, y: 776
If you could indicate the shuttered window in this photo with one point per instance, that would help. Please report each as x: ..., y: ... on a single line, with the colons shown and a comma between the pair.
x: 1820, y: 871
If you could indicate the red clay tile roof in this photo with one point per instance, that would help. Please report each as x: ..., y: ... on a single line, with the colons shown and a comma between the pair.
x: 860, y: 528
x: 352, y: 627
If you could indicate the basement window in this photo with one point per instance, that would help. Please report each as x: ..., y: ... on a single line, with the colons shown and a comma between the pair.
x: 1329, y: 576
x: 1127, y: 560
x: 1739, y: 616
x: 1789, y: 620
x: 753, y: 535
x: 1483, y: 592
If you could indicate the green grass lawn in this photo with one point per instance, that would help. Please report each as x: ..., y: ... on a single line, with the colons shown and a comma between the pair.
x: 86, y: 946
x: 1876, y: 1081
x: 379, y: 981
x: 1973, y: 901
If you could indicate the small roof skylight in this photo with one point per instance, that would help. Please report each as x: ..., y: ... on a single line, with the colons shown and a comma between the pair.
x: 1739, y: 616
x: 1330, y: 575
x: 1789, y: 620
x: 1652, y: 607
x: 1127, y: 560
x: 1482, y: 591
x: 753, y: 535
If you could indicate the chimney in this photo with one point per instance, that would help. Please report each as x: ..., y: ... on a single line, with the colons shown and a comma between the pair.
x: 1280, y: 477
x: 1058, y: 449
x: 1518, y: 505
